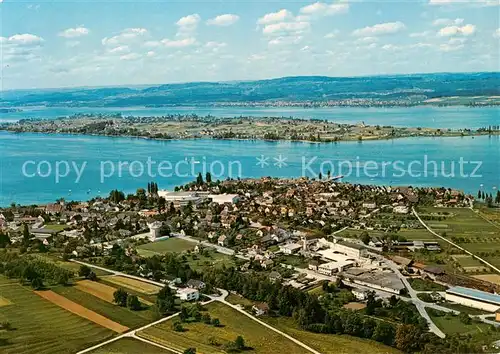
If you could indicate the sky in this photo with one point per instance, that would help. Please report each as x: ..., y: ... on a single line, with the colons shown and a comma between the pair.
x: 91, y: 43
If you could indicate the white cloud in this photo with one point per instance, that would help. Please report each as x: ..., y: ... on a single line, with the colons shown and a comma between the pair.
x: 74, y: 32
x: 150, y: 54
x: 465, y: 2
x: 120, y: 50
x: 380, y: 29
x: 125, y: 36
x: 285, y: 40
x: 305, y: 48
x: 179, y: 43
x: 215, y: 44
x: 449, y: 31
x: 332, y: 34
x: 223, y: 20
x: 256, y: 57
x: 274, y: 17
x: 390, y: 47
x: 286, y: 27
x: 187, y: 25
x: 23, y: 39
x: 323, y: 9
x: 130, y: 56
x: 367, y: 40
x: 496, y: 34
x: 448, y: 22
x: 420, y: 34
x: 188, y: 21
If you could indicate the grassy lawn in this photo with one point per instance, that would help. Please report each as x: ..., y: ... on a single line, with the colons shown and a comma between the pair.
x: 451, y: 324
x: 122, y: 315
x: 296, y: 261
x: 215, y: 259
x: 239, y: 300
x: 42, y: 327
x: 129, y: 346
x: 425, y: 285
x: 329, y: 343
x: 56, y: 227
x: 197, y: 335
x: 461, y: 308
x: 467, y: 261
x: 174, y: 245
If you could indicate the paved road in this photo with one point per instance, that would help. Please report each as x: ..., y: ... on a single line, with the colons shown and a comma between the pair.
x: 222, y: 299
x: 419, y: 304
x: 452, y: 243
x: 133, y: 335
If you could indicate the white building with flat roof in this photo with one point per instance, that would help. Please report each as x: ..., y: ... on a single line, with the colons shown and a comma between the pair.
x: 188, y: 294
x: 154, y: 230
x: 182, y: 197
x: 473, y: 298
x: 224, y: 198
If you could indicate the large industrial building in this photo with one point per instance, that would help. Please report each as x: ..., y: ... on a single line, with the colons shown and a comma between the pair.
x: 473, y: 298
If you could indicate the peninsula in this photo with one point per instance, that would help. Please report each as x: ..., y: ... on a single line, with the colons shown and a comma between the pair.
x: 251, y: 128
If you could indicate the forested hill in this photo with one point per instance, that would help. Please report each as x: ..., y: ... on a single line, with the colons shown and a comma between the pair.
x: 308, y: 89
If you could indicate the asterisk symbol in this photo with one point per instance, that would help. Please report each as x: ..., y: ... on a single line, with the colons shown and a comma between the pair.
x: 280, y: 161
x: 262, y: 161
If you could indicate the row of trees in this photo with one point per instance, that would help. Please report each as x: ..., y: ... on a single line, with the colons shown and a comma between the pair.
x: 33, y: 270
x: 410, y: 335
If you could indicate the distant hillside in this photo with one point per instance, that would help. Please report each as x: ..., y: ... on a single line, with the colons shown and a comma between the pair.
x: 402, y: 88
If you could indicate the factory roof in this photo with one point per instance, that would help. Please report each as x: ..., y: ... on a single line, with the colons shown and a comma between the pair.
x: 475, y: 294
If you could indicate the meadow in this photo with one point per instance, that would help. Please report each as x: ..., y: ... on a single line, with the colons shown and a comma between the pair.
x: 173, y: 245
x: 329, y: 343
x: 129, y: 283
x: 122, y: 315
x: 468, y: 229
x: 451, y: 324
x: 40, y: 326
x: 129, y: 346
x: 198, y: 335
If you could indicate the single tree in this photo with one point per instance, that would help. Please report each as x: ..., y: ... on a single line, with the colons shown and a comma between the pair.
x: 120, y: 297
x: 84, y: 271
x: 133, y: 303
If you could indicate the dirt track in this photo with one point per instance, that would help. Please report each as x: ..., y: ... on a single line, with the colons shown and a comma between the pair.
x: 81, y: 311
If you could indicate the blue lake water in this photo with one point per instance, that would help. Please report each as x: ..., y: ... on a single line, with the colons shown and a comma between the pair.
x: 432, y: 117
x: 406, y: 161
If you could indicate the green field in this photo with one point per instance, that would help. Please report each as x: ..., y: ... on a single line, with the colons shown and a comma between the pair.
x: 197, y: 335
x: 42, y: 327
x: 451, y: 324
x: 214, y: 258
x: 174, y: 245
x: 129, y: 346
x: 329, y: 343
x: 72, y: 266
x: 56, y: 227
x: 467, y: 261
x: 468, y: 229
x: 239, y: 300
x: 122, y: 315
